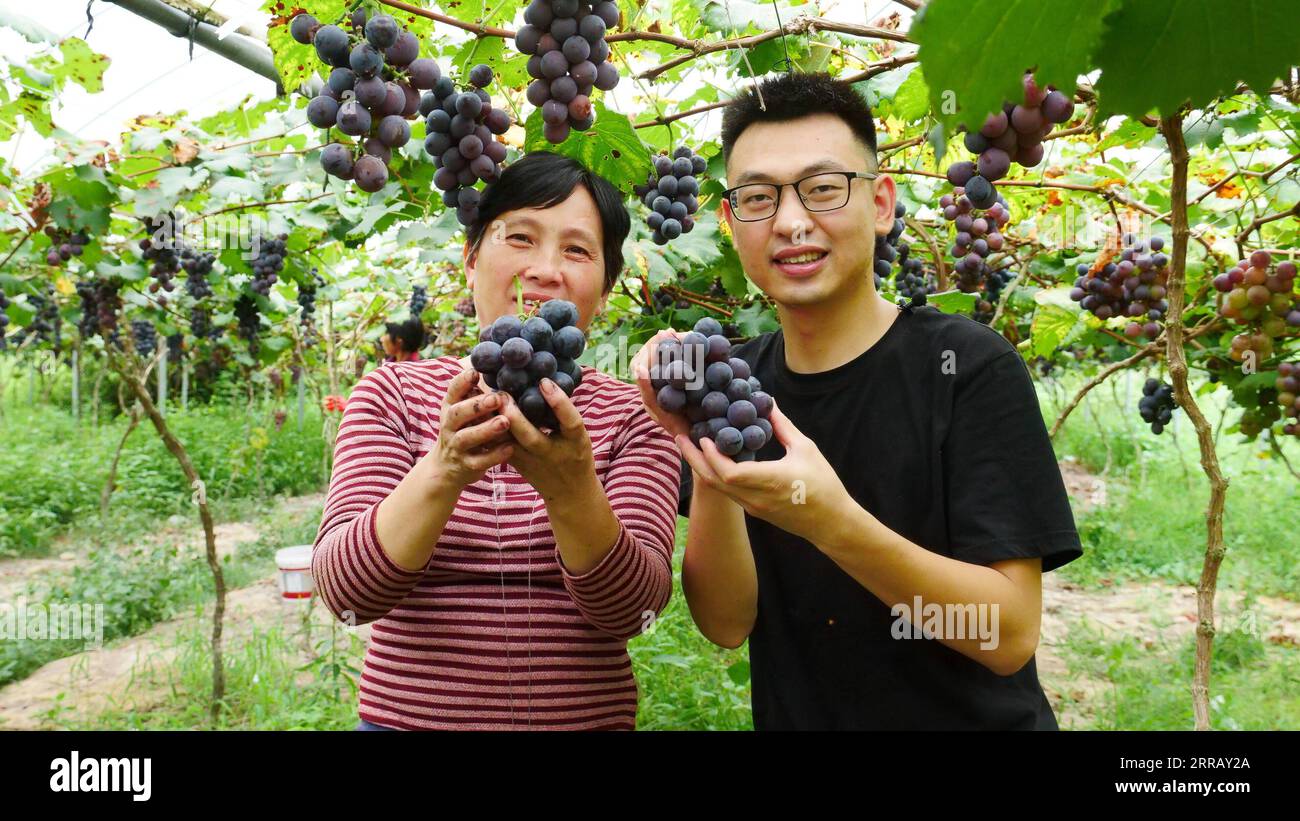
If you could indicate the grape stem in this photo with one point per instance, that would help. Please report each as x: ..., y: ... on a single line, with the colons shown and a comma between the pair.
x: 1277, y: 449
x: 17, y: 245
x: 1264, y: 220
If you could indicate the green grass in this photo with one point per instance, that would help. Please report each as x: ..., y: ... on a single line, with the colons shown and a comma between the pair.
x: 267, y: 688
x: 1153, y: 524
x: 685, y: 682
x: 142, y: 586
x: 1146, y: 684
x: 52, y: 470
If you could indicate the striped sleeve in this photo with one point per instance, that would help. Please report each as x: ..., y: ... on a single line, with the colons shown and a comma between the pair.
x: 634, y: 581
x: 354, y: 577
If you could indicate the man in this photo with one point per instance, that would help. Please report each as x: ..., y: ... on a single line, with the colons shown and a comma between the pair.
x: 883, y: 555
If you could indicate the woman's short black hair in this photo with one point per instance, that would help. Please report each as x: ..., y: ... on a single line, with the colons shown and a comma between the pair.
x: 792, y: 96
x: 409, y: 333
x: 543, y: 179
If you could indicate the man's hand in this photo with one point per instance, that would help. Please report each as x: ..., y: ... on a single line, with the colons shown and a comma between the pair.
x: 644, y: 360
x: 799, y: 493
x: 559, y: 466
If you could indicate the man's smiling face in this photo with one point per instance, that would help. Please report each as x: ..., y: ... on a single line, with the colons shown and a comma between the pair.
x: 800, y: 257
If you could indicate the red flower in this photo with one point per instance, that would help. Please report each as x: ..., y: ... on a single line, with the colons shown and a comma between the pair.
x: 335, y: 403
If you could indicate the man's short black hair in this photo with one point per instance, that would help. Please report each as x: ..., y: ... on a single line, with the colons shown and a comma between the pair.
x: 543, y: 179
x: 792, y: 96
x: 410, y: 334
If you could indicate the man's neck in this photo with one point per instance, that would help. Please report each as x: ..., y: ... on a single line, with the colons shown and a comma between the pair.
x: 838, y: 330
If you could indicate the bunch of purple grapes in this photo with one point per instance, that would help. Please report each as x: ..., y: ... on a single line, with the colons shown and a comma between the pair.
x: 913, y: 282
x: 1157, y: 404
x: 1288, y: 395
x: 268, y: 263
x: 145, y: 337
x: 201, y: 323
x: 568, y: 57
x: 978, y: 235
x: 163, y: 247
x: 460, y: 126
x: 250, y: 321
x: 515, y: 356
x: 197, y: 267
x: 88, y: 325
x: 371, y: 92
x: 64, y: 245
x: 698, y: 377
x: 672, y: 193
x: 4, y: 318
x: 887, y: 249
x: 1014, y: 134
x: 307, y: 301
x: 46, y: 325
x: 419, y: 299
x: 1133, y: 287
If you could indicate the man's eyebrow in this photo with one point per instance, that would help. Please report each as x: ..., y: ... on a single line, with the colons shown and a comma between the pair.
x: 821, y: 165
x: 572, y: 230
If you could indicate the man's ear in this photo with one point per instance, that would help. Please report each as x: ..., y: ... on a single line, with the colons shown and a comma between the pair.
x: 727, y: 215
x: 886, y: 195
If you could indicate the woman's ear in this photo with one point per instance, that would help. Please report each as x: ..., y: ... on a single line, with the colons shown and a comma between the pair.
x: 468, y: 260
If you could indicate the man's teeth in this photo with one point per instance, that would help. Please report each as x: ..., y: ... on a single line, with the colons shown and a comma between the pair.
x: 811, y: 256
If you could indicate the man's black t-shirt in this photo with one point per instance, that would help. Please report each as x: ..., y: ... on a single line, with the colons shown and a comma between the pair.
x: 936, y: 431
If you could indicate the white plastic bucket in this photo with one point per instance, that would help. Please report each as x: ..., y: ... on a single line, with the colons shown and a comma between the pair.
x: 295, y: 571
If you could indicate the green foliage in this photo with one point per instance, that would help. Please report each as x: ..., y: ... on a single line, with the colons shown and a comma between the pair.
x: 1191, y: 51
x: 52, y: 470
x: 611, y: 147
x: 976, y: 51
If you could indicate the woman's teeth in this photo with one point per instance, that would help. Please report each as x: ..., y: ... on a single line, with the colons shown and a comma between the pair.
x: 811, y: 256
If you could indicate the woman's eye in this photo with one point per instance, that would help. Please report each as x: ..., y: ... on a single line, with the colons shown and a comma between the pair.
x: 580, y: 250
x: 518, y: 236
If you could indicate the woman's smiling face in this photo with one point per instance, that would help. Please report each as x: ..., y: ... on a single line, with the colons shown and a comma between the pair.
x: 556, y: 252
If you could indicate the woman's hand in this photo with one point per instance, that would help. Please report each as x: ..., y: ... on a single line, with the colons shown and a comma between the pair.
x: 642, y: 364
x: 467, y: 445
x: 560, y: 466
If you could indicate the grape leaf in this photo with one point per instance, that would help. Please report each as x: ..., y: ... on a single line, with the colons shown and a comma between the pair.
x: 610, y: 147
x: 738, y: 672
x: 34, y: 108
x: 912, y: 100
x: 510, y: 68
x: 80, y: 65
x: 755, y: 320
x: 1050, y: 326
x: 1192, y: 50
x: 294, y: 61
x: 999, y: 40
x: 952, y: 302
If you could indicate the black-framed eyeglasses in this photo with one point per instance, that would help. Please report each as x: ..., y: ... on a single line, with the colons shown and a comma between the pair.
x: 818, y: 192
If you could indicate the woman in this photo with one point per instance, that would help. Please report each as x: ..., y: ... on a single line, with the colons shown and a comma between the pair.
x: 402, y: 341
x: 503, y: 569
